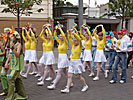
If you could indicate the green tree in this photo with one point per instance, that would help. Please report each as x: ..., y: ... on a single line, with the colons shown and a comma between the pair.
x: 20, y: 7
x: 120, y: 8
x: 62, y: 3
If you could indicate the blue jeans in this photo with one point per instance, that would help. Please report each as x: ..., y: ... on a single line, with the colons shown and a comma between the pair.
x: 123, y: 58
x: 111, y: 59
x: 107, y: 55
x: 93, y: 49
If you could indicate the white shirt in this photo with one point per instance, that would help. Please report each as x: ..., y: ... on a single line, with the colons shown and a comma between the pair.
x: 114, y: 43
x: 94, y: 41
x: 122, y: 46
x: 127, y: 39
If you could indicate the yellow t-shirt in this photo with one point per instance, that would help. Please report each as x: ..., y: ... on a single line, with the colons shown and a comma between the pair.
x: 62, y: 48
x: 76, y: 51
x: 100, y: 44
x: 27, y: 42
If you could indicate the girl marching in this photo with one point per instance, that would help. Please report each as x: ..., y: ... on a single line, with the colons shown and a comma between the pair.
x: 62, y: 59
x: 75, y: 66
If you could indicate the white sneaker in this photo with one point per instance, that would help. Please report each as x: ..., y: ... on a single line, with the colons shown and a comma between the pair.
x: 106, y: 73
x: 25, y: 76
x: 48, y: 79
x: 33, y: 73
x: 112, y: 81
x: 40, y: 83
x: 131, y: 77
x: 40, y: 79
x: 37, y: 75
x: 70, y: 85
x: 66, y: 90
x: 51, y: 87
x: 85, y: 88
x: 96, y: 79
x: 121, y: 81
x: 92, y: 74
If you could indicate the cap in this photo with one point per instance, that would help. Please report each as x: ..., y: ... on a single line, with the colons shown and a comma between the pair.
x: 120, y: 32
x: 124, y: 29
x: 16, y: 34
x: 108, y: 36
x: 114, y: 32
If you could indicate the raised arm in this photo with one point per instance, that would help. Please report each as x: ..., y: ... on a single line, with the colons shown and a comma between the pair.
x: 51, y: 36
x: 28, y: 35
x: 69, y: 38
x: 55, y: 35
x: 41, y: 35
x: 82, y: 35
x: 89, y: 33
x: 63, y: 34
x: 94, y: 32
x: 104, y: 37
x: 33, y: 36
x: 23, y: 35
x: 79, y: 39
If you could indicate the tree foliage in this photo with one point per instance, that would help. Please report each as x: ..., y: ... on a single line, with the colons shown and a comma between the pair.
x: 24, y: 6
x: 121, y: 8
x: 62, y: 3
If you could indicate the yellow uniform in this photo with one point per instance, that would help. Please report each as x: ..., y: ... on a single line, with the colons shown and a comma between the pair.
x: 75, y: 52
x: 33, y: 42
x: 100, y: 44
x: 50, y: 44
x: 44, y: 40
x: 88, y: 43
x: 62, y: 48
x: 27, y: 42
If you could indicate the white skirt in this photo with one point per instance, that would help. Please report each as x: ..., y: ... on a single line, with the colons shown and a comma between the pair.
x: 33, y: 56
x: 43, y: 59
x: 62, y: 61
x: 87, y: 55
x: 100, y: 57
x: 50, y: 58
x: 76, y: 67
x: 27, y: 55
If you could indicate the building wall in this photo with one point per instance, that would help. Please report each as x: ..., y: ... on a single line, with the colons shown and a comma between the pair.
x: 38, y: 19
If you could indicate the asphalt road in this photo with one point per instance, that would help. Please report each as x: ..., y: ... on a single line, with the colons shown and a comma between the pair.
x: 98, y: 90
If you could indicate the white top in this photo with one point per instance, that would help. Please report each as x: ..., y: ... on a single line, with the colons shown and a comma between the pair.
x: 122, y: 46
x: 94, y: 41
x: 127, y: 39
x: 114, y: 43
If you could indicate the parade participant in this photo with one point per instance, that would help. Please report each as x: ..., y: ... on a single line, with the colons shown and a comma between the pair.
x: 75, y: 67
x: 50, y: 60
x: 87, y: 58
x: 27, y: 47
x: 121, y: 50
x: 62, y: 58
x: 33, y: 55
x: 16, y: 64
x: 100, y: 57
x: 112, y: 51
x: 125, y: 35
x: 6, y: 53
x: 107, y: 50
x: 130, y: 48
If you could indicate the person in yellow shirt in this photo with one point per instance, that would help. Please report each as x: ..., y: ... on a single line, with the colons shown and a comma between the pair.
x: 62, y: 59
x: 27, y: 48
x: 87, y: 58
x: 50, y: 60
x: 33, y: 55
x: 100, y: 57
x: 75, y: 67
